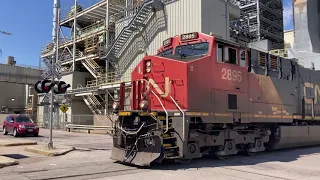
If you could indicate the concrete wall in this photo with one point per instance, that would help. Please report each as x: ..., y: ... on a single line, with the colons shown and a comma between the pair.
x: 306, y: 46
x: 13, y: 90
x: 100, y: 120
x: 289, y: 38
x: 2, y: 118
x: 307, y: 27
x: 17, y: 74
x: 81, y: 78
x: 81, y: 114
x: 75, y: 78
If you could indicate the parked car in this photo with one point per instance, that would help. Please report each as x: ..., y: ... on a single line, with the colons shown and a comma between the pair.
x: 20, y: 125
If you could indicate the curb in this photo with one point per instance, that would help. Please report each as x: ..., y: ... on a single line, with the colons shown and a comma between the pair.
x: 50, y: 153
x: 18, y: 144
x: 5, y: 161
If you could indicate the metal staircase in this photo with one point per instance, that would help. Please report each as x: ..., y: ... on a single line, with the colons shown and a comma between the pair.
x: 93, y: 105
x: 93, y: 67
x: 137, y: 23
x: 96, y: 105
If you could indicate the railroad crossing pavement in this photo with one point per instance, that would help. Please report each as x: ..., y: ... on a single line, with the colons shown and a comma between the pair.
x: 91, y: 160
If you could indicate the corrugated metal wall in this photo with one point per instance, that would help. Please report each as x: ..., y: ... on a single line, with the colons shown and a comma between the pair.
x: 180, y: 17
x: 16, y: 74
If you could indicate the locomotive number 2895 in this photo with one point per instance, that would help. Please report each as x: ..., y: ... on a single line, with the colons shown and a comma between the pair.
x: 231, y: 75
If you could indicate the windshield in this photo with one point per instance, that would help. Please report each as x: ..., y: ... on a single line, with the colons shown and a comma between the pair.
x: 198, y: 49
x: 21, y: 119
x: 167, y: 52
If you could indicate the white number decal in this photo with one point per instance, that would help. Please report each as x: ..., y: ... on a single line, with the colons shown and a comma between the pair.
x: 231, y: 75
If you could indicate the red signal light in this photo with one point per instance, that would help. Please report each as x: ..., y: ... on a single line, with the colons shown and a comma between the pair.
x: 61, y: 87
x: 43, y: 86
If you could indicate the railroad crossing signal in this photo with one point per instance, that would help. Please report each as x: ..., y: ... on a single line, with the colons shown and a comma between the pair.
x: 61, y: 87
x: 64, y: 108
x: 48, y: 72
x: 44, y: 86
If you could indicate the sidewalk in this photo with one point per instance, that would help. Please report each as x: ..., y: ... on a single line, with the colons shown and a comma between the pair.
x: 26, y: 150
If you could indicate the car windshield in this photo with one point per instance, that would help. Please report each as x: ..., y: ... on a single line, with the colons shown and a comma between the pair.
x: 198, y: 49
x: 165, y: 53
x: 21, y: 119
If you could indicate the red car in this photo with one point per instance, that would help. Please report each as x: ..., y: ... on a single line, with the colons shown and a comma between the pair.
x: 20, y: 125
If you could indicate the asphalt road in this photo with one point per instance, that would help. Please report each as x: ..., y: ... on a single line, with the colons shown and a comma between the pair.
x: 92, y: 161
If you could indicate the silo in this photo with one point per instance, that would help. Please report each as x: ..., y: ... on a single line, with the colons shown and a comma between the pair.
x: 10, y: 60
x: 306, y: 46
x: 307, y: 26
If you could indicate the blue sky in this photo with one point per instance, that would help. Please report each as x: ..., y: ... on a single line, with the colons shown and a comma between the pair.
x: 30, y: 22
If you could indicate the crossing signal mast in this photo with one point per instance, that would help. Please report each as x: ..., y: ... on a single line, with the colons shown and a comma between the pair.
x: 53, y: 70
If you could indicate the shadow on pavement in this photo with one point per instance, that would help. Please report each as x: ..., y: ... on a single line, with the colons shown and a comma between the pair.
x: 15, y: 156
x: 287, y: 155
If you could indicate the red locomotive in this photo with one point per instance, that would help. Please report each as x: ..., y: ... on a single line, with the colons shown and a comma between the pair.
x: 202, y: 95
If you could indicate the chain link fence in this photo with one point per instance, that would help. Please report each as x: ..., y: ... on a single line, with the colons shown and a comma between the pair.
x: 59, y: 121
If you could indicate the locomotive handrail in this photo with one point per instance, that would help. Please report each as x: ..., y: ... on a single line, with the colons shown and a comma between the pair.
x: 167, y: 116
x: 183, y: 117
x: 131, y: 133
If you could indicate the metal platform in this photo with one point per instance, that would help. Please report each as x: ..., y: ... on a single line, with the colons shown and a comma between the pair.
x: 93, y: 13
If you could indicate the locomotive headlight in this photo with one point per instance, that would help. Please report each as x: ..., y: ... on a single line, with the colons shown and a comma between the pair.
x: 116, y: 105
x: 148, y: 66
x: 148, y: 69
x: 144, y: 105
x: 148, y: 63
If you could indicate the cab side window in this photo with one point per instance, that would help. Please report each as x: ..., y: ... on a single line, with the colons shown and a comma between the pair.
x: 233, y: 56
x: 227, y: 54
x: 243, y: 58
x: 220, y: 53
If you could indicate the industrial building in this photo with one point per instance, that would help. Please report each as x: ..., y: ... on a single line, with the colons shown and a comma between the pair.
x: 306, y: 44
x: 17, y: 93
x: 109, y: 38
x: 288, y: 44
x: 265, y: 20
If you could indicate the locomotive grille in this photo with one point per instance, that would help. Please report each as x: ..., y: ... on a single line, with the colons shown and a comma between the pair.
x: 273, y: 62
x: 262, y: 58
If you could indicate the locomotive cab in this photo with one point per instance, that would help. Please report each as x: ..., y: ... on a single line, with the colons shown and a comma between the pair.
x: 161, y: 82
